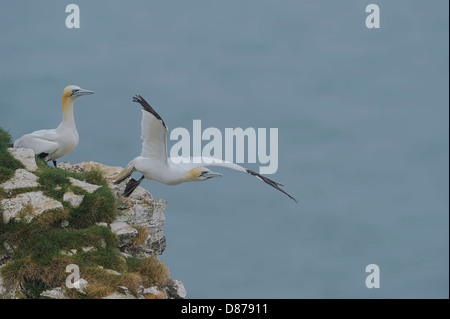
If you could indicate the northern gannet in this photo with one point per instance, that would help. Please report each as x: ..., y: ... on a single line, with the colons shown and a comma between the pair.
x: 55, y: 143
x: 154, y: 164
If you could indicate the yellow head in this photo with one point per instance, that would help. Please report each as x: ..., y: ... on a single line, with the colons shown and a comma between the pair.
x: 201, y: 173
x: 71, y: 92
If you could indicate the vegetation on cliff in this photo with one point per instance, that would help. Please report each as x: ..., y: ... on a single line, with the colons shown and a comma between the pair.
x: 34, y: 253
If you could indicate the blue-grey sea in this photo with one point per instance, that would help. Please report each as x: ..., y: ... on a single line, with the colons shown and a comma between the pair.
x: 362, y: 118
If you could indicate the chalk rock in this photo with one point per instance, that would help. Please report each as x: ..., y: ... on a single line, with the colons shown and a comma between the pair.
x: 112, y: 272
x: 88, y: 249
x: 25, y: 156
x: 69, y: 167
x: 140, y: 209
x: 74, y: 199
x: 125, y: 232
x: 70, y: 252
x: 21, y: 179
x: 118, y: 295
x: 55, y: 293
x: 121, y: 293
x: 90, y: 188
x: 101, y: 224
x: 152, y: 290
x: 30, y: 204
x: 109, y: 172
x: 148, y: 213
x: 179, y: 287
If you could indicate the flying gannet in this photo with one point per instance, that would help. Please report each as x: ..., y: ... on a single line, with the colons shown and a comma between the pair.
x: 154, y: 164
x: 55, y: 143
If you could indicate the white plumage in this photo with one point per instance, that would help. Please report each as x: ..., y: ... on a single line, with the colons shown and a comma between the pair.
x: 154, y: 164
x: 55, y: 143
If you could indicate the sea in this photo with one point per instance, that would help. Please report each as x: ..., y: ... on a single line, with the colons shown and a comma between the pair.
x: 362, y: 115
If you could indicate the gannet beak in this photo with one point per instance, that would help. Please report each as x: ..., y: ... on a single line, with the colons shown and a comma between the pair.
x: 81, y: 92
x: 212, y: 174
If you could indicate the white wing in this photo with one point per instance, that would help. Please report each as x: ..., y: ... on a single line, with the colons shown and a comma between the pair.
x: 153, y: 132
x: 197, y: 161
x: 193, y: 162
x: 49, y: 135
x: 42, y: 141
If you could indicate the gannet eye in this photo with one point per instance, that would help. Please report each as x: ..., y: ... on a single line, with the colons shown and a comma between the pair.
x: 74, y: 91
x: 203, y: 173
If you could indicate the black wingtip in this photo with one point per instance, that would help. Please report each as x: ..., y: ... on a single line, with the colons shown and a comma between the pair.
x: 139, y: 99
x: 271, y: 183
x: 294, y: 199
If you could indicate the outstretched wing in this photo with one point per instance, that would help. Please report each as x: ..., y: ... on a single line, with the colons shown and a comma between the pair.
x: 193, y: 162
x: 153, y: 132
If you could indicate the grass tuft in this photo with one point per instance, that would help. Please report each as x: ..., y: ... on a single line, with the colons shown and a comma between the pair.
x: 141, y: 236
x: 151, y: 269
x: 107, y: 257
x: 100, y: 206
x: 8, y: 164
x: 94, y: 177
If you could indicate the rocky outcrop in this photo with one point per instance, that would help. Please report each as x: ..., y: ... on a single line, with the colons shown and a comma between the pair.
x: 138, y: 225
x: 21, y: 179
x: 139, y: 210
x: 28, y: 205
x: 25, y: 156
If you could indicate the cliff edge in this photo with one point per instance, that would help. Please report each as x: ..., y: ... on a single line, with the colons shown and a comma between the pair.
x: 67, y: 232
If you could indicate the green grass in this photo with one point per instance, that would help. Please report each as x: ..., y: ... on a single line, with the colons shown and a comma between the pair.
x: 100, y: 206
x: 39, y: 259
x: 41, y: 243
x: 55, y: 181
x: 152, y: 271
x: 94, y: 177
x: 8, y: 164
x: 38, y: 250
x: 107, y: 257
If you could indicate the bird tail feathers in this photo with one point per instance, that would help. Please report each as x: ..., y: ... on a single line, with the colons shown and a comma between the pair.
x: 125, y: 173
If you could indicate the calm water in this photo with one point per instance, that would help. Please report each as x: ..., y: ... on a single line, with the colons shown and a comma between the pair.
x: 363, y: 131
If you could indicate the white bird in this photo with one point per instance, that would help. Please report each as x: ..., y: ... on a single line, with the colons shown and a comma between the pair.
x: 55, y: 143
x: 154, y: 164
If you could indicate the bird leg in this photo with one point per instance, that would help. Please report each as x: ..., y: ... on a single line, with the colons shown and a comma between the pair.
x: 54, y: 163
x: 131, y: 186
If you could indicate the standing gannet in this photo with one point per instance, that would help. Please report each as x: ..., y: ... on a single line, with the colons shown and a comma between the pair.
x: 53, y: 144
x: 154, y: 164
